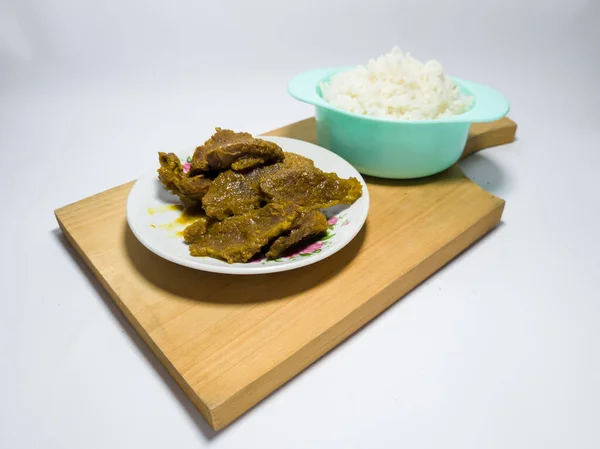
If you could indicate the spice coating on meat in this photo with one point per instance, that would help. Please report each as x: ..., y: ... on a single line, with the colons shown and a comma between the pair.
x: 310, y: 224
x: 239, y: 151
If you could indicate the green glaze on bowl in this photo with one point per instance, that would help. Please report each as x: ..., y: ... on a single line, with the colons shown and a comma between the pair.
x: 392, y: 148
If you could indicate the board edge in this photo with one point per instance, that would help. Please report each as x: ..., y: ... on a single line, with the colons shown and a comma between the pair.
x: 194, y: 397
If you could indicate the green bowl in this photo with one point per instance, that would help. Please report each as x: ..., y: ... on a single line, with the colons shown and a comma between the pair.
x: 398, y: 149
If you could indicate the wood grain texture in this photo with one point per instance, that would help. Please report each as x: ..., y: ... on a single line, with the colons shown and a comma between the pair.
x: 229, y: 341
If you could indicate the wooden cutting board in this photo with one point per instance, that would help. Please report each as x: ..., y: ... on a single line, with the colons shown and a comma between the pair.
x: 229, y: 341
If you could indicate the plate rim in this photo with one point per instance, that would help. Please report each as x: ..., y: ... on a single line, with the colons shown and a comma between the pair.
x: 235, y: 269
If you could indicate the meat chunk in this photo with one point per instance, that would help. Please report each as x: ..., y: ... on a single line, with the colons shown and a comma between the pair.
x: 231, y: 193
x: 197, y: 229
x: 190, y: 189
x: 308, y: 226
x: 291, y: 160
x: 245, y: 196
x: 170, y: 171
x: 238, y: 151
x: 247, y: 162
x: 239, y: 238
x: 310, y: 189
x: 254, y: 176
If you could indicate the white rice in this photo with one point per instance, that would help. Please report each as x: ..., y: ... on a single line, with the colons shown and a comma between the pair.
x: 397, y: 86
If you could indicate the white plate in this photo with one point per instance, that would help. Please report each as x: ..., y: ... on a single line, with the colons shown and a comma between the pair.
x: 151, y: 217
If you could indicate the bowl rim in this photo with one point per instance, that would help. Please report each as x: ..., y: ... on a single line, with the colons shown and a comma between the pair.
x: 306, y: 87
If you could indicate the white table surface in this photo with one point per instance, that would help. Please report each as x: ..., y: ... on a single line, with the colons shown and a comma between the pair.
x: 500, y: 349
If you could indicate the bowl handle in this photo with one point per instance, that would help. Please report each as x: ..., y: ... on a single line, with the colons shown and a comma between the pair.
x: 303, y: 87
x: 490, y: 105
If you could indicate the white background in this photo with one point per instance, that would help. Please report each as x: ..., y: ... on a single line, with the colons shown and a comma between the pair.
x: 501, y: 349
